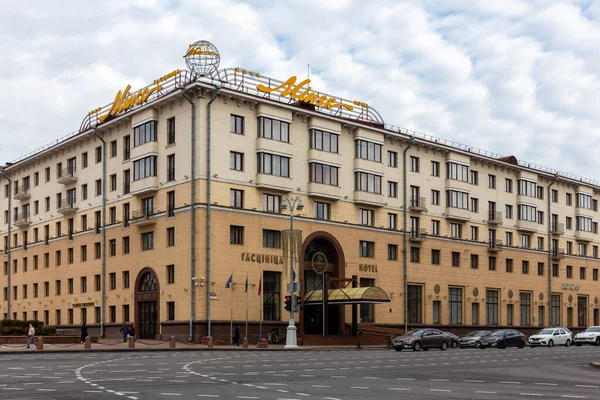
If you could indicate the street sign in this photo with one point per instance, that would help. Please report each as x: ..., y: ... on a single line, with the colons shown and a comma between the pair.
x: 293, y: 287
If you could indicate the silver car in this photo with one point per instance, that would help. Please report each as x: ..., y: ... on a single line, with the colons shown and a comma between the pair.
x: 472, y: 339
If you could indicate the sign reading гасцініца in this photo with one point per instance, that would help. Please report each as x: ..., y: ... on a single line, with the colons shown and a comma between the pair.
x: 569, y: 286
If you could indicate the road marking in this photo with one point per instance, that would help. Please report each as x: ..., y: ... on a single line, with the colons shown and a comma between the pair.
x: 510, y: 383
x: 321, y: 386
x: 474, y: 381
x: 588, y: 386
x: 247, y: 397
x: 440, y: 390
x: 530, y: 394
x: 545, y: 384
x: 440, y: 380
x: 399, y: 389
x: 171, y: 394
x: 570, y: 396
x: 360, y: 387
x: 406, y: 379
x: 484, y: 392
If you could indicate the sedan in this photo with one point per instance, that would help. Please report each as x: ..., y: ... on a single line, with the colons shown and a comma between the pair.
x: 550, y: 337
x: 473, y: 339
x: 504, y: 338
x: 454, y: 338
x: 422, y: 339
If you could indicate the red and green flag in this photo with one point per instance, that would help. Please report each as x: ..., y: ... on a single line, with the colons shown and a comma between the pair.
x: 246, y: 285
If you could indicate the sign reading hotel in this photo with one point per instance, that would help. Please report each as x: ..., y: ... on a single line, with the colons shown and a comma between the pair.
x: 367, y: 268
x: 569, y: 286
x: 262, y: 258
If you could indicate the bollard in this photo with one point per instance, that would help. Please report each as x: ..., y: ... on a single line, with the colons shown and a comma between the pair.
x: 211, y: 342
x: 358, y: 346
x: 131, y: 342
x: 172, y: 342
x: 39, y: 344
x: 245, y: 343
x: 88, y: 343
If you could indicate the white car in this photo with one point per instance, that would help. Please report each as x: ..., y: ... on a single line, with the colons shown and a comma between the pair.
x: 590, y: 336
x: 550, y: 337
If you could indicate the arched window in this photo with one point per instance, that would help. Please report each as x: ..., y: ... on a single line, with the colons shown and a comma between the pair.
x: 148, y: 283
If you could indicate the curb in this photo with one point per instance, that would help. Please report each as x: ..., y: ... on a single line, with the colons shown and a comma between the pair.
x: 595, y: 364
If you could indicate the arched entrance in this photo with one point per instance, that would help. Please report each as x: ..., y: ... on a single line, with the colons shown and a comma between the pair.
x: 147, y: 293
x: 312, y: 318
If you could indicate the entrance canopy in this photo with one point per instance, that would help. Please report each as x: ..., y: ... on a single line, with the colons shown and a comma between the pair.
x: 359, y: 295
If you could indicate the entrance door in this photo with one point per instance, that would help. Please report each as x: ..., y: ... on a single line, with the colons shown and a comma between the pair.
x: 147, y: 297
x: 147, y: 319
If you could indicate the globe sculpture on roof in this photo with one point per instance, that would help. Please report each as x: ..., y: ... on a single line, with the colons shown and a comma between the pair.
x: 202, y: 57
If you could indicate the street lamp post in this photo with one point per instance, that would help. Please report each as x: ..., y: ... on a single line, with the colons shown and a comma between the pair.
x: 294, y: 204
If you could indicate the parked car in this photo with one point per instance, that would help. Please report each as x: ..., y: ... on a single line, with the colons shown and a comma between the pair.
x: 473, y: 339
x: 454, y: 338
x: 550, y: 337
x: 504, y: 338
x: 590, y: 336
x: 425, y: 339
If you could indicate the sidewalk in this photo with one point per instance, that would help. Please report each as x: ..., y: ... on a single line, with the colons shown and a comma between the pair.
x: 114, y: 345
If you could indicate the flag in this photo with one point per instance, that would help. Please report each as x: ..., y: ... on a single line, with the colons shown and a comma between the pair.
x: 259, y: 286
x: 246, y: 286
x: 228, y: 283
x: 293, y: 276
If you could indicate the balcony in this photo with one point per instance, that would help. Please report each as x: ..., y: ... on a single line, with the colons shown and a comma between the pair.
x: 369, y: 199
x: 67, y: 176
x: 494, y: 217
x: 458, y: 214
x: 143, y: 217
x: 558, y: 229
x: 369, y: 166
x: 417, y: 204
x: 144, y: 186
x: 324, y: 156
x: 584, y: 236
x: 145, y: 149
x: 22, y: 194
x: 527, y: 226
x: 324, y: 191
x: 417, y: 235
x: 67, y: 206
x: 557, y: 254
x: 22, y: 220
x: 274, y: 182
x: 274, y: 146
x: 494, y: 246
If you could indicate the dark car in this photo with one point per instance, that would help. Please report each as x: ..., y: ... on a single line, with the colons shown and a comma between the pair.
x: 473, y: 339
x: 425, y: 339
x: 454, y: 338
x: 504, y: 338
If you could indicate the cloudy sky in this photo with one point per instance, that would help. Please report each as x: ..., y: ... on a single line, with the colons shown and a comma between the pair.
x: 510, y: 76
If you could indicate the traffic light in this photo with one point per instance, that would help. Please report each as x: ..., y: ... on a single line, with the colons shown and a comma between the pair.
x: 288, y: 303
x: 298, y: 307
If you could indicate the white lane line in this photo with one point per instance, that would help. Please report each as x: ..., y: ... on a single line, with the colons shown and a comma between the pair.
x: 171, y: 394
x: 247, y: 397
x: 321, y: 386
x: 588, y: 386
x: 440, y: 390
x: 545, y: 384
x: 572, y: 396
x: 332, y: 398
x: 208, y: 395
x: 46, y: 390
x: 360, y: 387
x: 399, y: 389
x: 530, y: 394
x: 510, y: 383
x: 484, y: 392
x: 303, y: 394
x: 406, y: 379
x: 474, y: 381
x: 440, y: 380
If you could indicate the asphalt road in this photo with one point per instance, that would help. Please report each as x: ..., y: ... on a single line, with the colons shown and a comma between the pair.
x: 547, y: 373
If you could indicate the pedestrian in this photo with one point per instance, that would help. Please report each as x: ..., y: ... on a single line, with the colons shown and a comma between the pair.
x: 84, y: 332
x: 31, y: 335
x: 236, y: 336
x: 132, y: 331
x: 125, y: 331
x: 275, y: 335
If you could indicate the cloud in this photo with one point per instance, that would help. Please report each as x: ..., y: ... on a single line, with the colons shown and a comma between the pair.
x: 513, y: 77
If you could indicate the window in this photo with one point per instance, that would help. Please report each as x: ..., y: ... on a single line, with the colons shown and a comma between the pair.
x: 83, y: 253
x: 97, y: 283
x: 491, y: 307
x: 125, y: 245
x: 170, y: 236
x: 582, y: 249
x: 47, y: 174
x: 555, y: 270
x: 435, y: 197
x: 47, y: 204
x: 392, y: 159
x: 508, y: 185
x: 508, y: 211
x: 271, y: 296
x: 392, y: 189
x: 171, y: 273
x: 272, y: 164
x: 457, y: 199
x: 368, y: 150
x: 435, y: 257
x: 570, y: 271
x: 170, y: 203
x: 236, y: 198
x: 126, y: 181
x: 236, y: 124
x: 98, y: 154
x: 392, y: 221
x: 322, y: 210
x: 475, y: 313
x: 97, y: 248
x: 367, y: 182
x: 474, y: 233
x: 98, y: 187
x: 144, y: 168
x: 474, y: 178
x: 321, y: 173
x: 126, y: 147
x: 474, y: 261
x: 569, y: 316
x: 170, y: 167
x: 527, y: 188
x: 366, y: 249
x: 392, y: 252
x: 509, y: 238
x: 569, y: 199
x: 113, y: 149
x: 125, y: 279
x: 435, y: 227
x: 554, y: 310
x: 455, y: 303
x: 112, y: 280
x: 554, y: 196
x: 144, y: 133
x: 569, y: 247
x: 366, y: 217
x: 437, y: 311
x: 271, y: 203
x: 540, y: 192
x: 112, y: 246
x: 414, y: 164
x: 525, y: 267
x: 584, y: 200
x: 455, y: 230
x: 112, y: 215
x: 474, y: 205
x: 70, y: 285
x: 273, y: 129
x: 435, y: 168
x: 170, y: 311
x: 584, y: 224
x: 455, y: 259
x: 367, y: 311
x: 84, y: 191
x: 148, y: 241
x: 582, y: 273
x: 236, y: 161
x: 569, y: 223
x: 171, y: 131
x: 540, y: 243
x: 325, y: 141
x: 525, y: 305
x: 415, y: 304
x: 271, y: 238
x: 458, y: 172
x: 526, y: 213
x: 595, y: 274
x: 492, y: 181
x: 540, y: 217
x: 236, y: 234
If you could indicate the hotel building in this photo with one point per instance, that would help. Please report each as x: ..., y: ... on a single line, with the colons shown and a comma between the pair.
x: 145, y: 212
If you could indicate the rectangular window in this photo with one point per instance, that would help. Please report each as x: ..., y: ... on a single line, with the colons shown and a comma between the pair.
x: 474, y: 178
x: 492, y: 263
x: 83, y: 253
x: 525, y: 267
x: 474, y: 261
x: 171, y: 167
x: 326, y: 141
x: 508, y: 185
x: 415, y: 255
x: 112, y: 280
x: 508, y: 211
x: 392, y: 221
x: 458, y: 172
x: 569, y: 271
x: 555, y: 310
x: 70, y: 285
x: 414, y: 164
x: 322, y: 210
x: 273, y: 129
x: 435, y: 227
x: 271, y: 238
x: 366, y: 249
x: 236, y: 198
x: 455, y: 303
x: 144, y: 133
x: 474, y: 205
x: 435, y: 168
x: 457, y: 199
x: 415, y: 304
x: 271, y: 296
x: 126, y: 147
x: 112, y: 247
x: 171, y: 273
x: 455, y: 259
x: 368, y: 150
x: 595, y: 274
x: 582, y: 311
x: 170, y: 311
x: 366, y: 217
x: 97, y: 283
x: 475, y: 313
x: 392, y: 159
x: 455, y: 230
x: 271, y: 203
x: 147, y: 241
x: 435, y: 257
x: 322, y: 173
x: 236, y: 161
x: 437, y: 312
x: 569, y: 199
x: 236, y: 124
x: 367, y: 182
x: 113, y: 149
x: 126, y: 181
x: 509, y: 265
x: 540, y: 268
x: 125, y: 245
x: 582, y: 273
x: 171, y: 236
x: 474, y: 233
x: 525, y: 308
x: 584, y: 224
x: 236, y: 234
x: 492, y: 181
x: 171, y: 131
x: 435, y: 197
x: 144, y: 167
x: 510, y: 311
x: 491, y: 306
x: 125, y: 279
x: 392, y: 189
x: 392, y: 252
x: 367, y: 311
x: 526, y: 213
x: 272, y: 164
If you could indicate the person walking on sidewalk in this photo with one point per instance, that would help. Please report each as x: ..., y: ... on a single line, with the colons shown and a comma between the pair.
x: 31, y: 335
x: 132, y: 331
x: 125, y: 331
x: 236, y: 336
x: 84, y: 332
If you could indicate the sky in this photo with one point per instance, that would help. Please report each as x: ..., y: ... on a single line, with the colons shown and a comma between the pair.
x: 513, y: 77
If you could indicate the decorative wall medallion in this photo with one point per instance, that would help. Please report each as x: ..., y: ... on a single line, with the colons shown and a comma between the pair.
x: 596, y: 300
x: 475, y: 292
x: 570, y: 298
x: 510, y: 294
x: 436, y: 289
x: 541, y: 296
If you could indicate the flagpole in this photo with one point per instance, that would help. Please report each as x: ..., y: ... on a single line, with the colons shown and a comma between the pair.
x: 231, y: 316
x: 260, y: 317
x: 246, y: 304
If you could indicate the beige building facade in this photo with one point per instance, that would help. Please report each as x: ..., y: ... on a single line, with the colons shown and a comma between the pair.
x: 489, y: 241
